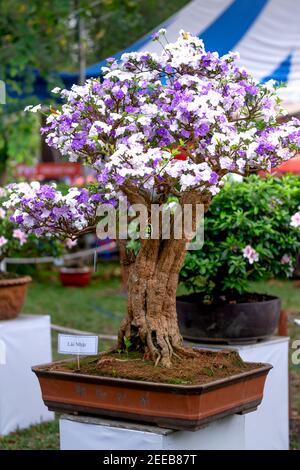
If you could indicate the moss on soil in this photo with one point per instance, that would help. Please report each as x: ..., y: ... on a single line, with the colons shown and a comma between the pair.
x: 205, y: 366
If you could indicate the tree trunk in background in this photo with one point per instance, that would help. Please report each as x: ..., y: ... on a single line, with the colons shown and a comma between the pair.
x: 3, y: 176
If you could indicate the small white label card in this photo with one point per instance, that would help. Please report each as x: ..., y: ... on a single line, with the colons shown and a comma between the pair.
x: 80, y: 345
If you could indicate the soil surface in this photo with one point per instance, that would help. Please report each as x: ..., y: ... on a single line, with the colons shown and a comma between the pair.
x: 198, y: 368
x: 5, y: 276
x: 246, y: 298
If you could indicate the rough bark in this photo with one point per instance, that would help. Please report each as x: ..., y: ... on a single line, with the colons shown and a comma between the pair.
x: 151, y: 321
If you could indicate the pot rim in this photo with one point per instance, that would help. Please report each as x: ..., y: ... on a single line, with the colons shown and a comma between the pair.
x: 39, y: 370
x: 10, y: 282
x: 82, y: 270
x: 270, y: 298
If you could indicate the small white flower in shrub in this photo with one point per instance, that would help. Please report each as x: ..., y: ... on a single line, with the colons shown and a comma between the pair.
x: 20, y: 235
x: 69, y: 243
x: 295, y: 220
x: 285, y: 259
x: 250, y: 254
x: 3, y: 241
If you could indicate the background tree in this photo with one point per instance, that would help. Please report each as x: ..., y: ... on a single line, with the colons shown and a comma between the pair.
x: 36, y: 37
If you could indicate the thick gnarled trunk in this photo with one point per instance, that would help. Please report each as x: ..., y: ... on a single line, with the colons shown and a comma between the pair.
x: 151, y: 320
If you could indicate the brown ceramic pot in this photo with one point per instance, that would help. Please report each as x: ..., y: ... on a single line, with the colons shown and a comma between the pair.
x: 12, y: 296
x: 174, y: 406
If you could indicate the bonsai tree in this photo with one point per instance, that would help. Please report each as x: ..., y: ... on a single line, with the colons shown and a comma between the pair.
x: 250, y: 234
x: 154, y: 128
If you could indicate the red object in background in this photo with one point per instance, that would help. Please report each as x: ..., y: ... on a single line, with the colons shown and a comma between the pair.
x: 291, y: 166
x: 75, y: 277
x: 55, y: 171
x: 182, y: 155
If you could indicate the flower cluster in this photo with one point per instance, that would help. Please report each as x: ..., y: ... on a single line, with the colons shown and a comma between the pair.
x: 17, y: 242
x: 44, y: 210
x: 11, y: 237
x: 134, y: 124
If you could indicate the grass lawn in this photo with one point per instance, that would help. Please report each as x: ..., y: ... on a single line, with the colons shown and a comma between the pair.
x: 99, y: 308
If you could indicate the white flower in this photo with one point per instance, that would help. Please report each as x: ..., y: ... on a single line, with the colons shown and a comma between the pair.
x: 269, y: 85
x: 2, y: 213
x: 295, y: 220
x: 70, y: 243
x: 99, y: 127
x: 33, y: 109
x: 35, y: 185
x: 225, y: 163
x: 56, y: 89
x: 19, y: 235
x: 3, y: 241
x: 187, y: 180
x: 285, y: 259
x: 250, y: 254
x: 241, y: 164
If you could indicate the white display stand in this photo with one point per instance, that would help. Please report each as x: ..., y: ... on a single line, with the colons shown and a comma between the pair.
x: 267, y: 428
x: 24, y: 342
x: 85, y: 433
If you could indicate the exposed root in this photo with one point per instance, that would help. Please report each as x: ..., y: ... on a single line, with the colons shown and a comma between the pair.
x: 157, y: 360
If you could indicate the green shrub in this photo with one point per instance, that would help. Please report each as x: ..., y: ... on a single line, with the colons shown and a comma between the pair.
x: 254, y: 214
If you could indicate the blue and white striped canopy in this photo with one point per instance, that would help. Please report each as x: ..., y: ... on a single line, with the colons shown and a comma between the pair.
x: 266, y: 33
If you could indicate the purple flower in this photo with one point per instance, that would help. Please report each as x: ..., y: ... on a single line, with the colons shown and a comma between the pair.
x: 62, y: 211
x: 251, y: 89
x: 83, y: 197
x: 214, y: 178
x: 203, y: 129
x: 46, y: 192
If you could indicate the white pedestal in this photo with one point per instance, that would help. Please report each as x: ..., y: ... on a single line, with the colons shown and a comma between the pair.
x: 24, y: 342
x: 267, y: 428
x: 85, y: 433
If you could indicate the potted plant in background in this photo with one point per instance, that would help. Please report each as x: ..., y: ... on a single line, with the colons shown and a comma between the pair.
x: 12, y: 287
x: 248, y: 237
x: 75, y: 275
x: 128, y: 126
x: 14, y: 242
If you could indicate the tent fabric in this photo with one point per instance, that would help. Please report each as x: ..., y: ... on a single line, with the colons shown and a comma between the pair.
x: 266, y: 33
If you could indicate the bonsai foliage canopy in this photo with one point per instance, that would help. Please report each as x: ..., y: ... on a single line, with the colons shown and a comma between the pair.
x: 16, y: 242
x: 129, y: 127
